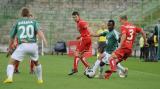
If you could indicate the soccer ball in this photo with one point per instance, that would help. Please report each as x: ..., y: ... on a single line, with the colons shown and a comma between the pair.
x: 90, y: 73
x: 121, y: 74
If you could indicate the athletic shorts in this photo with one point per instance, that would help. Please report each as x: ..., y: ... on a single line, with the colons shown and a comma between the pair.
x: 23, y: 49
x: 84, y: 44
x: 122, y: 53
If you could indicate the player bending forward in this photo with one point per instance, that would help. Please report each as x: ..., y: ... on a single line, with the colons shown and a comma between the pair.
x: 105, y: 52
x: 128, y: 34
x: 25, y: 29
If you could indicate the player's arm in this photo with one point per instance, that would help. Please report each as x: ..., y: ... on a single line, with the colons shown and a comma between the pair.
x: 95, y: 35
x: 78, y: 37
x: 12, y: 36
x: 40, y: 34
x: 123, y: 36
x: 12, y: 47
x: 42, y: 37
x: 101, y: 34
x: 122, y: 39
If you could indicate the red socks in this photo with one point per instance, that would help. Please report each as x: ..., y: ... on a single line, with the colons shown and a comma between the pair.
x: 113, y: 65
x: 76, y: 60
x: 85, y: 63
x: 108, y: 74
x: 75, y: 65
x: 16, y: 66
x: 31, y: 66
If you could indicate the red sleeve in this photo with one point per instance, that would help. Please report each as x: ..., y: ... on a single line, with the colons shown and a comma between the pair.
x: 83, y: 24
x: 123, y: 30
x: 138, y: 30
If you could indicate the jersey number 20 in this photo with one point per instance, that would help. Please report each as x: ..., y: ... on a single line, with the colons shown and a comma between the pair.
x: 27, y: 32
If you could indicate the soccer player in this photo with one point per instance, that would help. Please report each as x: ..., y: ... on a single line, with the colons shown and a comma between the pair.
x: 15, y: 43
x: 84, y: 44
x: 128, y: 34
x: 25, y: 29
x: 105, y: 52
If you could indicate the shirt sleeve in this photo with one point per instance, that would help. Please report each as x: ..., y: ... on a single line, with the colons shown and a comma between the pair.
x: 83, y: 24
x: 116, y: 35
x: 37, y: 26
x: 13, y: 31
x: 138, y: 30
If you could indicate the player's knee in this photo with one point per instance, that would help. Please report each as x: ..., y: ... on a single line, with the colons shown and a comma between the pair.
x: 13, y: 61
x: 36, y: 63
x: 76, y: 53
x: 100, y: 50
x: 113, y: 56
x: 102, y: 64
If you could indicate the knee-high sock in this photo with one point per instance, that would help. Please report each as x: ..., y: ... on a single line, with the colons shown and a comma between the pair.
x: 100, y: 69
x: 96, y: 65
x: 38, y: 70
x: 10, y: 70
x: 16, y: 66
x: 120, y: 67
x: 113, y: 64
x: 31, y: 66
x: 108, y: 74
x: 75, y: 65
x: 85, y: 63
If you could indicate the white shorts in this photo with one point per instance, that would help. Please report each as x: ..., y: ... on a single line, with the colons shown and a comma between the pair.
x: 106, y: 57
x: 26, y: 48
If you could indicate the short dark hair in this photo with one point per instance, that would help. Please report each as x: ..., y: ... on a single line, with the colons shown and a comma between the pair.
x: 75, y: 13
x: 124, y: 17
x: 111, y: 21
x: 25, y: 12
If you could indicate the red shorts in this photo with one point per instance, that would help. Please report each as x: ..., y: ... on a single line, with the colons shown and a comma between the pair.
x: 122, y: 53
x: 84, y: 44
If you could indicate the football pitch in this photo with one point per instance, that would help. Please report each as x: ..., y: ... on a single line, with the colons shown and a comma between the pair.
x: 142, y: 75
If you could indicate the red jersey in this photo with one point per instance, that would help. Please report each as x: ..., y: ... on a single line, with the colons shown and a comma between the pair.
x: 82, y: 28
x: 130, y: 31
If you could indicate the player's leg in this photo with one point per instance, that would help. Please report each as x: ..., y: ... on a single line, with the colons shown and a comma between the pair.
x: 84, y: 47
x: 17, y: 56
x: 105, y: 60
x: 122, y: 71
x: 75, y: 63
x: 113, y: 66
x: 83, y: 60
x: 99, y: 59
x: 117, y: 56
x: 33, y: 50
x: 10, y: 71
x: 113, y: 62
x: 31, y: 67
x: 38, y: 71
x: 16, y: 69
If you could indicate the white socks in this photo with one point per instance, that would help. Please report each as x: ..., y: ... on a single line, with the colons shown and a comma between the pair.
x: 10, y: 70
x: 38, y: 70
x: 120, y: 67
x: 96, y: 65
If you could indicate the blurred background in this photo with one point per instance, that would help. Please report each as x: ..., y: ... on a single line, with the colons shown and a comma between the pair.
x: 55, y: 18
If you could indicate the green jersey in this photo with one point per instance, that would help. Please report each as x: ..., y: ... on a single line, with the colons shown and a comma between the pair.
x: 25, y: 30
x: 112, y: 40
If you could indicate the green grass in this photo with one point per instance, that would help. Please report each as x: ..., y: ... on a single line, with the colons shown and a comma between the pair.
x: 142, y: 75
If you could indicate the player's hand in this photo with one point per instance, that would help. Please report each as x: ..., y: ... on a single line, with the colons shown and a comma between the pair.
x: 146, y: 44
x: 78, y: 37
x: 9, y: 51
